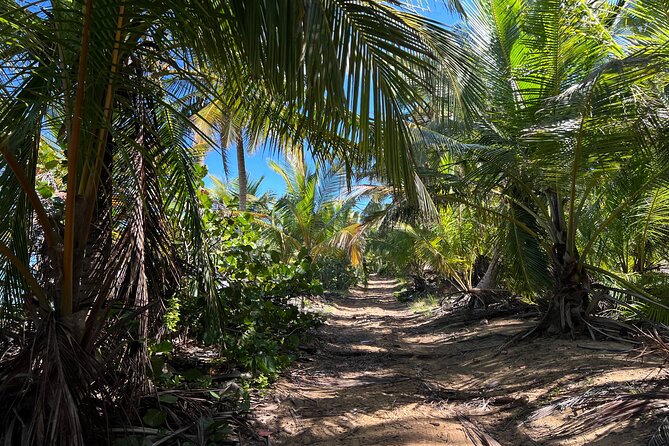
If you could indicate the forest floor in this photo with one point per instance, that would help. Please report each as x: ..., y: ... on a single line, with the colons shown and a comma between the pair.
x: 378, y: 373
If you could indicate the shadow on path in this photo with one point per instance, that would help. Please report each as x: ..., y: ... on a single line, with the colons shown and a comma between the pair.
x: 377, y: 374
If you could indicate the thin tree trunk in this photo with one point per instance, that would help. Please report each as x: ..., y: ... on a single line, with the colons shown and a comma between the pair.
x: 484, y: 291
x: 241, y: 168
x: 142, y: 292
x: 489, y: 279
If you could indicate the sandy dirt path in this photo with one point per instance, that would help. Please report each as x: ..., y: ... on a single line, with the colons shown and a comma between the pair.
x: 378, y: 374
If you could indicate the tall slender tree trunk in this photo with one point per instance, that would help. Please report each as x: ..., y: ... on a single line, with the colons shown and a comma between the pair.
x: 241, y: 168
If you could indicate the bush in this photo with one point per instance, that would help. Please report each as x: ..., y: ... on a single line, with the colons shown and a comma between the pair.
x: 336, y: 272
x: 260, y: 323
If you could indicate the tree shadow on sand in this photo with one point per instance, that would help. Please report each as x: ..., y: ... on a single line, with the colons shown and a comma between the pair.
x: 376, y: 373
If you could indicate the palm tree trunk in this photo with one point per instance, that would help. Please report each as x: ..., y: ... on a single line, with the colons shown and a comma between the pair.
x: 484, y: 291
x: 489, y: 279
x: 570, y: 295
x: 241, y: 168
x: 571, y: 283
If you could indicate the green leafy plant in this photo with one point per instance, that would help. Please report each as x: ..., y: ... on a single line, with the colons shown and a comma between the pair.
x: 259, y: 296
x: 336, y: 272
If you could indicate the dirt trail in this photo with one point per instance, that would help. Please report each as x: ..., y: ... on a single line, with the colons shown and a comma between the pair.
x: 378, y: 374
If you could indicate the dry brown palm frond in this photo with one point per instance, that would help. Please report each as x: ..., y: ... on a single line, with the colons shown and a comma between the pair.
x: 476, y: 433
x: 48, y: 385
x: 661, y: 435
x: 601, y: 407
x: 573, y: 402
x: 618, y: 409
x: 655, y: 341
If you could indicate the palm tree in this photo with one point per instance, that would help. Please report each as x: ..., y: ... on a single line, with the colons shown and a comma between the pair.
x: 570, y: 140
x: 213, y: 123
x: 313, y: 215
x: 227, y: 195
x: 106, y: 254
x: 107, y: 85
x: 342, y: 49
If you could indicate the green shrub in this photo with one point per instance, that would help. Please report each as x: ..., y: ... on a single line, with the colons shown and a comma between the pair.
x: 336, y: 272
x: 257, y: 295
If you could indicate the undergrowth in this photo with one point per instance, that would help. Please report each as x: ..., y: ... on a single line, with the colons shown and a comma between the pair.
x: 260, y: 327
x: 425, y: 304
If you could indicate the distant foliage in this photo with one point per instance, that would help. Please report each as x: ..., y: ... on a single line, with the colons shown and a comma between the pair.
x: 257, y: 294
x: 336, y: 272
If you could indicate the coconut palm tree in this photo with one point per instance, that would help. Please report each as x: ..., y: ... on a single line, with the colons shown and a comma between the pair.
x: 109, y: 85
x: 227, y: 195
x: 314, y: 215
x: 571, y: 139
x: 217, y: 124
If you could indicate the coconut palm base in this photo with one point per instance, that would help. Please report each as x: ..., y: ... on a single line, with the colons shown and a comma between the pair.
x: 483, y: 297
x: 567, y: 312
x: 46, y: 387
x: 56, y: 392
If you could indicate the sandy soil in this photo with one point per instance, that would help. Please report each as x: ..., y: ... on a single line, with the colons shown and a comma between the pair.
x: 378, y: 374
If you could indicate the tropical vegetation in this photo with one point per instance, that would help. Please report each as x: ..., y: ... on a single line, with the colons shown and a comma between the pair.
x: 522, y: 152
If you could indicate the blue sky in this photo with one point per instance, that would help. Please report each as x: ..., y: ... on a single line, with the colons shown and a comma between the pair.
x: 256, y: 163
